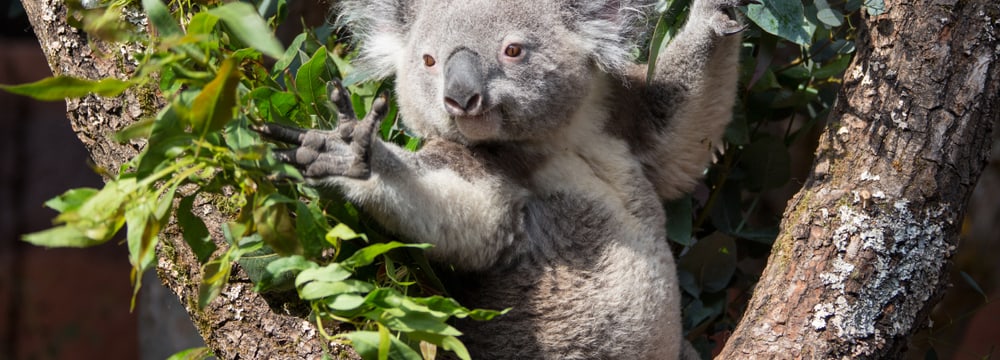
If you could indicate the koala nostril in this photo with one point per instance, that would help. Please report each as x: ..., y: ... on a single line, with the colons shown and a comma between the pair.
x: 471, y: 105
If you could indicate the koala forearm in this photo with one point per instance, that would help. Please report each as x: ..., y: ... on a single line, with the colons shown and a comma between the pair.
x: 696, y: 78
x: 470, y: 220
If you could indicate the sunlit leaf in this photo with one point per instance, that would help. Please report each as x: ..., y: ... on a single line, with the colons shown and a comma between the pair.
x: 216, y: 104
x: 71, y: 199
x: 62, y: 236
x: 368, y: 254
x: 366, y: 343
x: 310, y: 82
x: 782, y: 18
x: 62, y: 87
x: 200, y: 353
x: 247, y: 25
x: 329, y: 273
x: 161, y: 19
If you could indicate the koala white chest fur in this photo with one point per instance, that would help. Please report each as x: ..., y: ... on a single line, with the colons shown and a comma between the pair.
x: 546, y: 158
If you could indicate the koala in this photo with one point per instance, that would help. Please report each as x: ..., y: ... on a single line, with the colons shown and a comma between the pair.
x: 547, y: 153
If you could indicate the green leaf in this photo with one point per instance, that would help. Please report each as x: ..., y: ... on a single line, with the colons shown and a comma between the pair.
x: 346, y: 302
x: 875, y: 7
x: 167, y: 138
x: 329, y: 273
x: 368, y: 254
x: 310, y: 228
x: 274, y: 104
x: 161, y: 19
x: 202, y: 23
x: 140, y: 129
x: 310, y: 82
x: 834, y: 68
x: 143, y: 228
x: 200, y: 353
x: 280, y: 273
x: 61, y: 87
x: 446, y: 342
x: 340, y: 232
x: 71, y: 200
x: 366, y: 343
x: 830, y: 17
x: 314, y: 290
x: 61, y: 236
x: 195, y: 232
x: 216, y: 104
x: 711, y: 261
x: 782, y: 18
x: 215, y: 274
x: 289, y: 56
x: 246, y: 24
x: 276, y: 226
x: 679, y: 218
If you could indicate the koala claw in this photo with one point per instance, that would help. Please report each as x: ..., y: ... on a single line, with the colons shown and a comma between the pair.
x: 343, y: 151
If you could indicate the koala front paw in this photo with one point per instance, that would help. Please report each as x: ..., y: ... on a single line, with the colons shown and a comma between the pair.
x: 721, y: 14
x: 343, y: 151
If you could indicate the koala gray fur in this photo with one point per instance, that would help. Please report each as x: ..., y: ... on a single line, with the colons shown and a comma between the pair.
x: 544, y: 166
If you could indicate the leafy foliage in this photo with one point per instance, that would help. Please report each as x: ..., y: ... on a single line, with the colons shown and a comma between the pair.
x: 201, y: 154
x: 221, y: 70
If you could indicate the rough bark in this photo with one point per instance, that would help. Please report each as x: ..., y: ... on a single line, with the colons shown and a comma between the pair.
x: 865, y: 244
x: 240, y: 324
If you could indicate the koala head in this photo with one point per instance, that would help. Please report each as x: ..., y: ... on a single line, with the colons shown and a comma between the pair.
x: 478, y: 71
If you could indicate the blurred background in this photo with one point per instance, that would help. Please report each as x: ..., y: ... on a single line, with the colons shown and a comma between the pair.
x: 74, y: 303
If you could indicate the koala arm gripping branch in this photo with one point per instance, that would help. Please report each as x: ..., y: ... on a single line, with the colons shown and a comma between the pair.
x: 690, y: 97
x: 471, y: 217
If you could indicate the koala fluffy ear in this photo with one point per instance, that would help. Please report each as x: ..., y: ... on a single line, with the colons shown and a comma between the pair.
x: 380, y: 26
x: 611, y: 29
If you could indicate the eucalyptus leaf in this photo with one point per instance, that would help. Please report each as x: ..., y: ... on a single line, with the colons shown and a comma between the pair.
x: 366, y: 343
x: 216, y: 104
x: 161, y: 19
x: 310, y: 82
x: 712, y: 262
x: 368, y: 254
x: 329, y: 273
x: 782, y: 18
x: 195, y: 232
x: 59, y: 88
x: 248, y: 26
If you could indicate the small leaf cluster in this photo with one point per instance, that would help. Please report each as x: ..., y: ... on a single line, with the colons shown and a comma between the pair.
x: 220, y: 70
x: 794, y: 55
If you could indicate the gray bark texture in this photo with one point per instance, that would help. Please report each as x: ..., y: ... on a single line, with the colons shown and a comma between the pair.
x: 865, y: 245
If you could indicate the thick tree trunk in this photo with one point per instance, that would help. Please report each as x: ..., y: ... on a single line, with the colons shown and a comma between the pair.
x: 864, y: 246
x: 240, y: 324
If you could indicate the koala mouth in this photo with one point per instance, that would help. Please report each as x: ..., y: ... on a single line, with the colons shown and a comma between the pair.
x: 479, y: 127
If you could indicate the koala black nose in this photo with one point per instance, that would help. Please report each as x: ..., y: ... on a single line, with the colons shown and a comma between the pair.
x: 463, y: 84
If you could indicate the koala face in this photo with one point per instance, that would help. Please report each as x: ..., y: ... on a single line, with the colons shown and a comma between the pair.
x: 490, y: 71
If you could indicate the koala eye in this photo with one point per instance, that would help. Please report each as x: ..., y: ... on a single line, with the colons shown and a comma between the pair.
x: 513, y: 50
x: 429, y: 60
